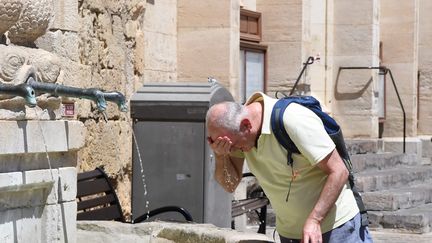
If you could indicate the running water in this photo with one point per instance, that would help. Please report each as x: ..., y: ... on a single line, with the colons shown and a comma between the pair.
x: 51, y: 171
x: 135, y: 141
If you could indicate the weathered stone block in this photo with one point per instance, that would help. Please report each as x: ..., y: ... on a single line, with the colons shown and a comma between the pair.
x: 59, y: 219
x: 68, y: 184
x: 161, y: 51
x: 43, y: 135
x: 21, y: 225
x: 64, y: 44
x: 44, y: 176
x: 10, y: 179
x: 65, y: 15
x: 76, y: 135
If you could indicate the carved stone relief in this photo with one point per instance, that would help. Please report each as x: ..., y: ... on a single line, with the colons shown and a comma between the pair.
x: 15, y: 60
x: 25, y: 20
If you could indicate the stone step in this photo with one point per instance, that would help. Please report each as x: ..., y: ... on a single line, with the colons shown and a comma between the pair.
x: 413, y: 220
x: 380, y: 161
x: 400, y: 198
x: 392, y: 178
x: 363, y: 146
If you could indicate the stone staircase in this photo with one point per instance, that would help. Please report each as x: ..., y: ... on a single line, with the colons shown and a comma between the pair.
x: 396, y: 187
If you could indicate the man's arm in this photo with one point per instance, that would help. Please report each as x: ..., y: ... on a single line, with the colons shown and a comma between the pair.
x: 337, y: 173
x: 228, y: 172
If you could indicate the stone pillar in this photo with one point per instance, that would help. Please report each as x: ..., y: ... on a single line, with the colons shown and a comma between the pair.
x: 160, y: 41
x: 399, y: 36
x: 425, y: 68
x: 38, y: 180
x: 316, y: 44
x: 353, y: 41
x: 209, y: 41
x: 282, y: 33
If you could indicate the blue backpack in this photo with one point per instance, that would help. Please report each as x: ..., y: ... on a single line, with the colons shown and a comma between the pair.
x: 332, y: 129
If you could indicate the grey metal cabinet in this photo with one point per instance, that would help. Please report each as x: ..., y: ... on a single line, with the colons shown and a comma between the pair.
x: 177, y: 164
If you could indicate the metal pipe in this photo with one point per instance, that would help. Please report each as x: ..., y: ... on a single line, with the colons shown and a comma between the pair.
x: 98, y: 96
x: 387, y: 70
x: 23, y: 90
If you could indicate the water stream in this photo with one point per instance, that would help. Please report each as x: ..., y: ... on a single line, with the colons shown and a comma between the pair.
x: 56, y: 197
x: 135, y: 142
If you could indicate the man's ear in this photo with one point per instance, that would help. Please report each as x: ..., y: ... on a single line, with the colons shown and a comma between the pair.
x: 245, y: 124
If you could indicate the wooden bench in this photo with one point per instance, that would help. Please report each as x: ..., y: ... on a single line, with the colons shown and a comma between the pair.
x: 97, y: 200
x: 254, y: 203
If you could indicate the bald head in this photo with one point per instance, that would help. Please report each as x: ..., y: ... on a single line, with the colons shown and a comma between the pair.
x: 225, y: 115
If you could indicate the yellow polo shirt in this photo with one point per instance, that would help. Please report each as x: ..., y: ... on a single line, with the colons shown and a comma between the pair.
x: 268, y: 162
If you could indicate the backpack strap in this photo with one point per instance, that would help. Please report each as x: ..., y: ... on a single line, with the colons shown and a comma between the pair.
x: 331, y: 127
x: 279, y: 130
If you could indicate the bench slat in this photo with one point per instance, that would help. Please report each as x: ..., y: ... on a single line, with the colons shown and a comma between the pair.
x: 85, y: 188
x: 94, y: 202
x: 242, y: 206
x: 107, y: 213
x: 89, y: 175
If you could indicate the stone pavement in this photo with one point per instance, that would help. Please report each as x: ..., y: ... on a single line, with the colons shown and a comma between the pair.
x: 379, y: 236
x: 161, y: 232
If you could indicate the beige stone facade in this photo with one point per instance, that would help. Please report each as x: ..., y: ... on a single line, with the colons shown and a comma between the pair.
x: 120, y: 45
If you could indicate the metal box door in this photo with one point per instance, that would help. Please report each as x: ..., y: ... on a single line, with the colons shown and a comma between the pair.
x: 172, y: 154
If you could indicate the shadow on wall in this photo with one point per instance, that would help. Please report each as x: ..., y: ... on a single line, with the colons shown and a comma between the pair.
x: 356, y: 84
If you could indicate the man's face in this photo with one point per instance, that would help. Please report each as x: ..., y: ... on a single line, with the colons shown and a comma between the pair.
x: 239, y: 141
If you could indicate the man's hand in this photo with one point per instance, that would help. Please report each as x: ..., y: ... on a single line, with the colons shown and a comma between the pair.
x: 312, y: 231
x: 220, y: 146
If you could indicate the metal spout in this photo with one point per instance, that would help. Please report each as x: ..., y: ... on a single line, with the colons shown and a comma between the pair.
x: 23, y: 90
x: 98, y: 96
x: 117, y: 98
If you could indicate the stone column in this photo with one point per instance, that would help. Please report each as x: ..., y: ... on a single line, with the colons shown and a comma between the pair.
x: 353, y: 41
x: 282, y: 33
x: 160, y: 41
x: 399, y: 36
x: 316, y: 44
x: 425, y: 68
x: 209, y: 41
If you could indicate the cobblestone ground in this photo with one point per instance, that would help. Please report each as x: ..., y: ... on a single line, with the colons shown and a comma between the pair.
x: 379, y: 236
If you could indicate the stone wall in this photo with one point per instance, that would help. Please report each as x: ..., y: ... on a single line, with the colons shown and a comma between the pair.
x: 111, y: 53
x: 425, y: 67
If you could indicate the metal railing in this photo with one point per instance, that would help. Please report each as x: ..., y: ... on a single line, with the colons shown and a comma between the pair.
x: 386, y: 70
x: 308, y: 62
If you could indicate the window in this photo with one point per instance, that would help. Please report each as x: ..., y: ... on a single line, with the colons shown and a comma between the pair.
x: 252, y: 55
x: 252, y: 69
x: 250, y: 25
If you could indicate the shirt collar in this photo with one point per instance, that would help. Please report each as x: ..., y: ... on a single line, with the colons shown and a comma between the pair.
x: 268, y: 107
